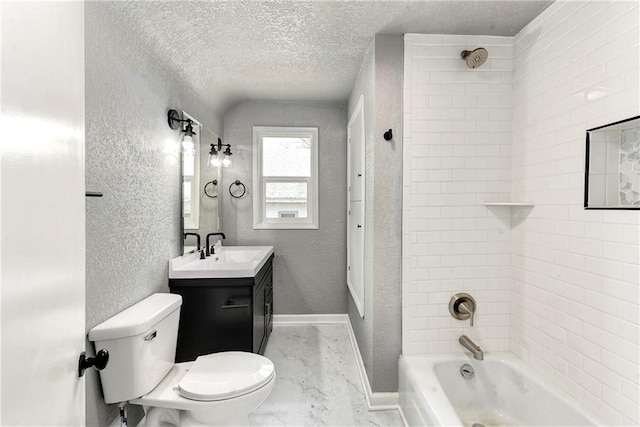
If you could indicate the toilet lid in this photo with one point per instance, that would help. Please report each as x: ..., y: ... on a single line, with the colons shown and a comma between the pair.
x: 225, y: 375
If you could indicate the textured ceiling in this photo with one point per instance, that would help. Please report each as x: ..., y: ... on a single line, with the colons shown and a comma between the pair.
x: 230, y: 51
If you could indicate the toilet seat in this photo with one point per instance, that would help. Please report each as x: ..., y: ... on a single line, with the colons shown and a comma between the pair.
x: 225, y: 375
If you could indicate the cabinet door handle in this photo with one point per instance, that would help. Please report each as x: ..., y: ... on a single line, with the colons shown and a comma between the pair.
x: 235, y: 306
x: 268, y: 309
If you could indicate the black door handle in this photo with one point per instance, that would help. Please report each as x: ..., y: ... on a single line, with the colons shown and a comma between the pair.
x: 99, y: 362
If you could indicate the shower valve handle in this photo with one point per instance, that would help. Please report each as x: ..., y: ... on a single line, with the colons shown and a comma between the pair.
x: 462, y: 306
x: 465, y: 309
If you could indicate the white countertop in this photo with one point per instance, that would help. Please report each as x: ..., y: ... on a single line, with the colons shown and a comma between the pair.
x: 227, y: 262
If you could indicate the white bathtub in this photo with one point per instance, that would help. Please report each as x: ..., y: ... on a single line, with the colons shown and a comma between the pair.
x: 503, y: 392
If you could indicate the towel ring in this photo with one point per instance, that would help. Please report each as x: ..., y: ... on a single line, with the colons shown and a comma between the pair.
x: 236, y: 183
x: 214, y: 182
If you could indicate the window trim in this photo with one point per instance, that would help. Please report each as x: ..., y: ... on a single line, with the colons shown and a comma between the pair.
x: 260, y: 222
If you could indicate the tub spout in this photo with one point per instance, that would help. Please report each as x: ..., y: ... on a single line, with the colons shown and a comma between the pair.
x: 466, y: 342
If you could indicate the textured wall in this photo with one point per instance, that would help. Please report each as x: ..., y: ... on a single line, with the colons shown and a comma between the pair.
x: 131, y: 156
x: 310, y: 265
x: 363, y: 326
x: 387, y: 201
x: 379, y: 332
x: 456, y: 156
x: 576, y: 292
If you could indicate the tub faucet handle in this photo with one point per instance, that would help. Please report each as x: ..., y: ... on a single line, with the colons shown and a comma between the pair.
x: 464, y: 308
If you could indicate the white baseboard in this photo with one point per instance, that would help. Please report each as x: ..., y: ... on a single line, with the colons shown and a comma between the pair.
x: 375, y: 401
x: 281, y: 319
x: 404, y: 419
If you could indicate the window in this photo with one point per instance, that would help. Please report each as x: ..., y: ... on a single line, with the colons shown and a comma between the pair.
x: 285, y: 177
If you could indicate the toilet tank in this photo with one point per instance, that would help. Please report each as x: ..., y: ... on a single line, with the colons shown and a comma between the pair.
x: 141, y: 342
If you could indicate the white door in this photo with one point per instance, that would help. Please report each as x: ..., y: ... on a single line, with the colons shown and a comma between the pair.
x: 42, y: 290
x: 355, y: 205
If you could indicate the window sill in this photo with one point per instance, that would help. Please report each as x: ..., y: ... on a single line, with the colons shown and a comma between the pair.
x: 284, y: 226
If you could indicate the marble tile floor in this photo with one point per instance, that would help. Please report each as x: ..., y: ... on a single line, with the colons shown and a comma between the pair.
x: 317, y: 381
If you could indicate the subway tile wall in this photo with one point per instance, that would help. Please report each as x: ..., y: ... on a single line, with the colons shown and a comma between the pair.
x: 555, y: 284
x: 457, y: 155
x: 574, y: 307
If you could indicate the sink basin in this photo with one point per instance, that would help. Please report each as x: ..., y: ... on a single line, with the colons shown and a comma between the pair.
x: 229, y: 261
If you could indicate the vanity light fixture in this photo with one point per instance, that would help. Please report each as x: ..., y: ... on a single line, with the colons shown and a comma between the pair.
x: 217, y: 157
x: 175, y: 122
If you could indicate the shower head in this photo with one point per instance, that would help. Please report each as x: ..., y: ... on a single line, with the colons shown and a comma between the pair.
x: 475, y: 58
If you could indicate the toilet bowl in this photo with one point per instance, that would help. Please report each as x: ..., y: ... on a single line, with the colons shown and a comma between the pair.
x: 216, y: 389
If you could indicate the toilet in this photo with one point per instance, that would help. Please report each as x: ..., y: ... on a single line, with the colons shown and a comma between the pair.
x: 215, y: 390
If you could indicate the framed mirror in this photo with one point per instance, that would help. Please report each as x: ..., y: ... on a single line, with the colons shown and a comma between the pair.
x: 191, y: 180
x: 612, y: 169
x: 199, y: 208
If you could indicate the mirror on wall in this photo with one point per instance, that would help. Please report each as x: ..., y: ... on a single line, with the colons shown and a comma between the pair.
x: 199, y: 189
x: 191, y: 178
x: 612, y: 170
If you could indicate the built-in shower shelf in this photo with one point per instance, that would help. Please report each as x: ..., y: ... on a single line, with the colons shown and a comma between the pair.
x: 511, y: 204
x: 517, y: 211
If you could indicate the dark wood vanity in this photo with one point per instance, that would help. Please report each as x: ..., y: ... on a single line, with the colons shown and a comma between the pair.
x: 224, y: 314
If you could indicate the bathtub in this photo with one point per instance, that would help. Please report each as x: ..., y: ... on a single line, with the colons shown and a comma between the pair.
x: 502, y: 392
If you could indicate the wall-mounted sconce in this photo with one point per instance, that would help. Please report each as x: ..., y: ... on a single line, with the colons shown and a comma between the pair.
x: 217, y: 157
x: 175, y: 123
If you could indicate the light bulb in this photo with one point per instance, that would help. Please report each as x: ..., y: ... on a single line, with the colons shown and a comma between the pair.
x: 227, y: 162
x: 214, y: 160
x: 187, y: 144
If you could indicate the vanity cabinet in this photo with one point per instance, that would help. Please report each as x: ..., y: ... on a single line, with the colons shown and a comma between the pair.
x: 224, y: 314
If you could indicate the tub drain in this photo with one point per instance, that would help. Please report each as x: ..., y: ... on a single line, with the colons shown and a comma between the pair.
x: 477, y: 425
x: 467, y: 371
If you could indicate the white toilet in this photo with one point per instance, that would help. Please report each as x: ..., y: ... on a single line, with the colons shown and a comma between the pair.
x: 216, y: 389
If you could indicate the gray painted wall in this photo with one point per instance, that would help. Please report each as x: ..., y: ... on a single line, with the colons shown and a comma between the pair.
x: 309, y: 265
x: 131, y: 156
x: 379, y: 333
x: 363, y: 327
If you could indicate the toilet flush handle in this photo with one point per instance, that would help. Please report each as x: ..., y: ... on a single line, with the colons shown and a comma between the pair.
x: 99, y: 362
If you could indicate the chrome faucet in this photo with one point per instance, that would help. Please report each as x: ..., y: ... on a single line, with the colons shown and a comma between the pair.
x: 466, y: 342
